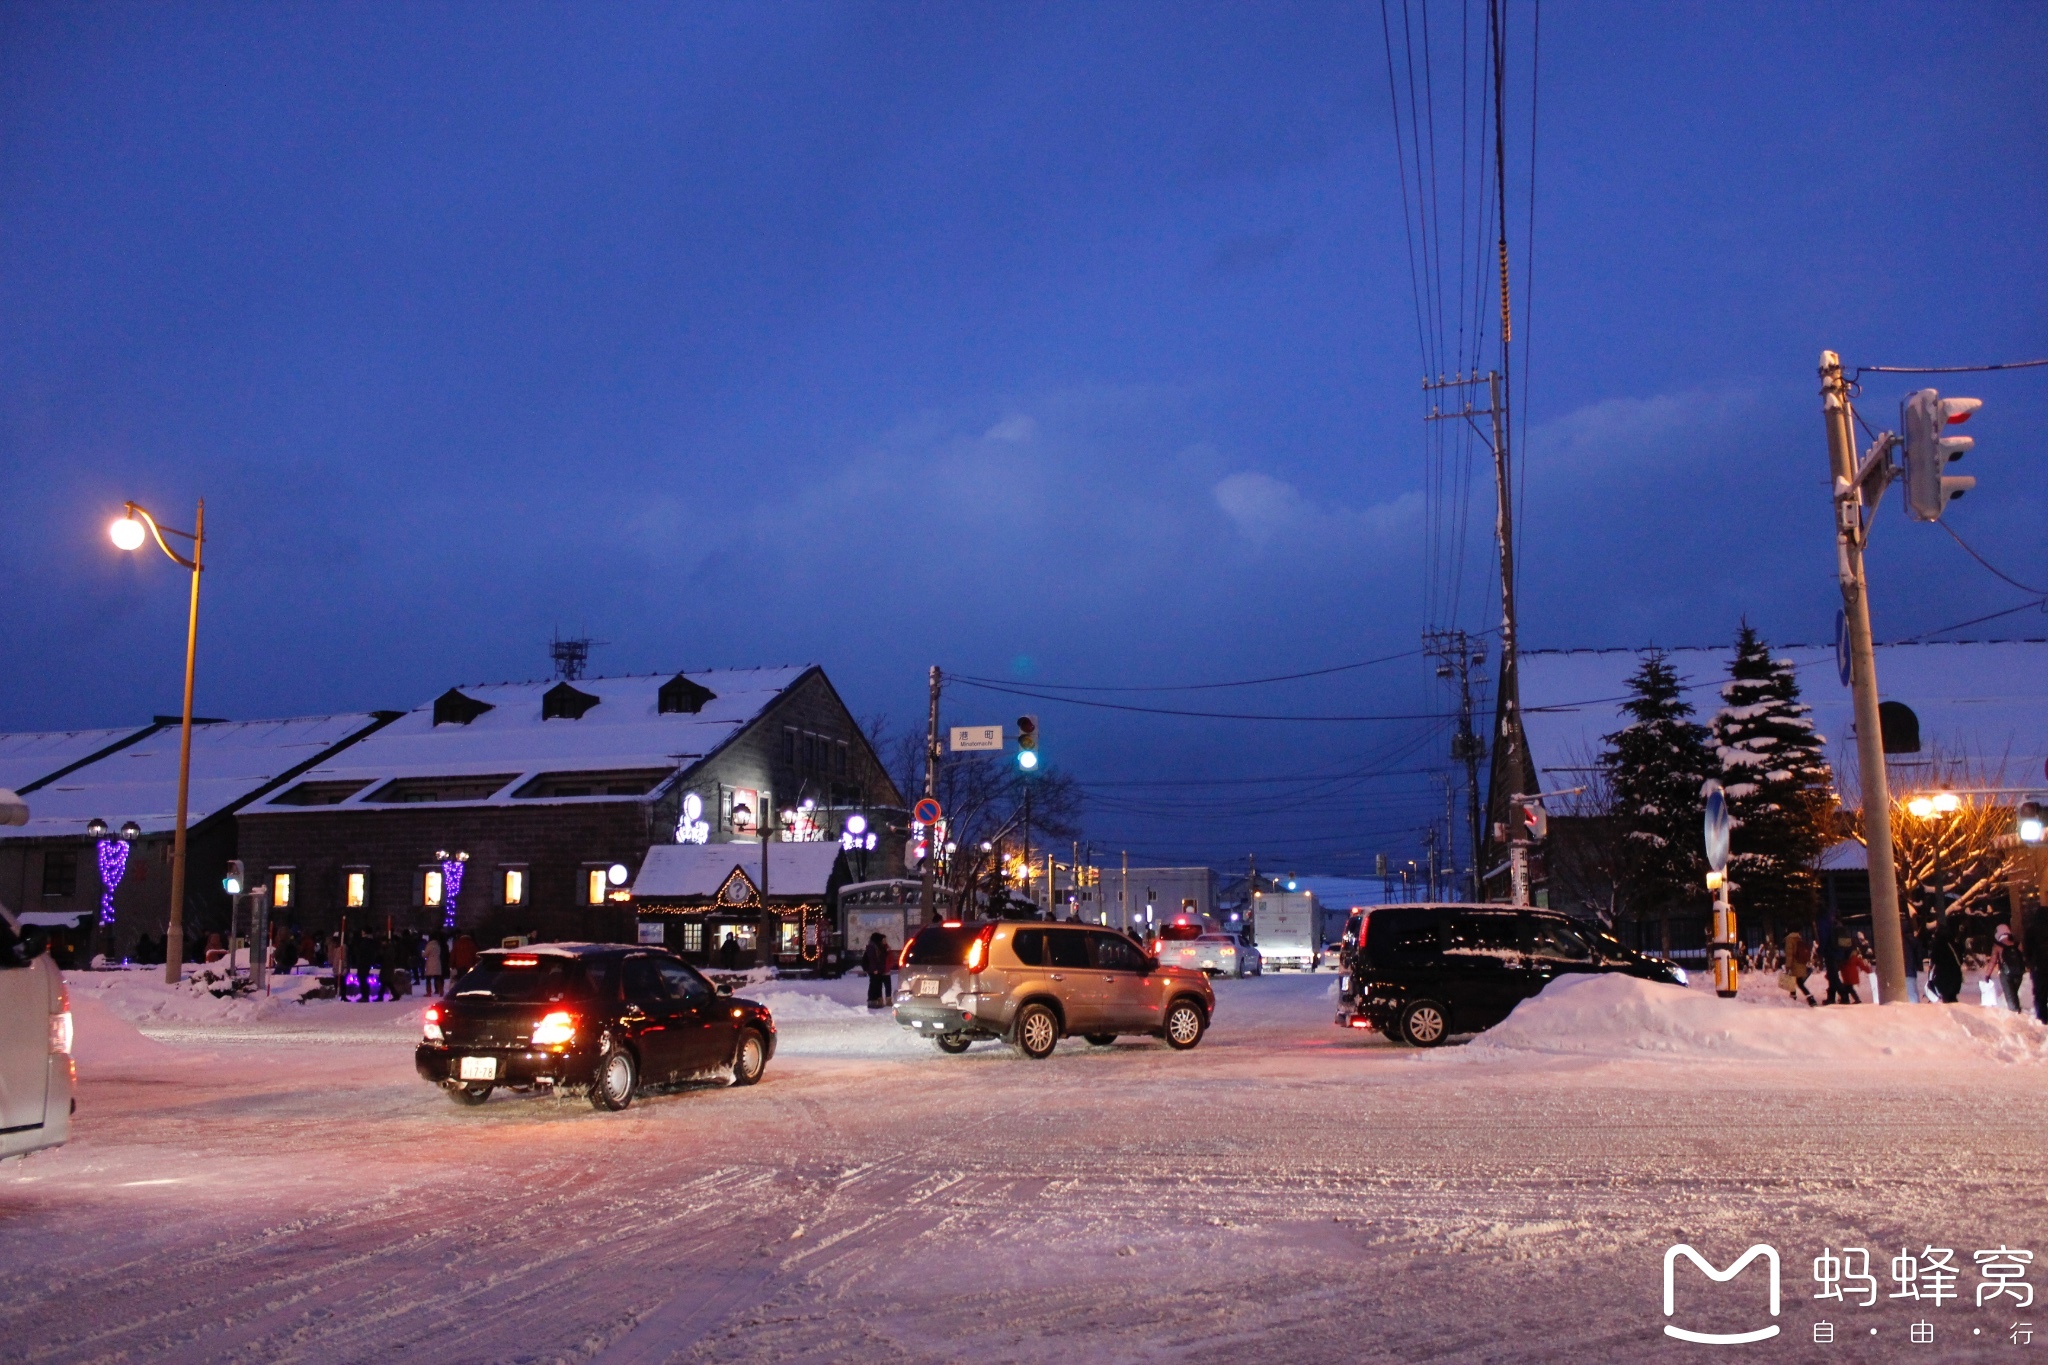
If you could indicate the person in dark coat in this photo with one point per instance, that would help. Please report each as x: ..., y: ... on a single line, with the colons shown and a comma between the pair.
x: 729, y: 952
x: 2034, y: 947
x: 875, y: 962
x: 1948, y: 961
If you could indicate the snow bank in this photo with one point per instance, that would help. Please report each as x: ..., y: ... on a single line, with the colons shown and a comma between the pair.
x: 1621, y: 1016
x: 101, y: 1040
x: 805, y: 1007
x: 144, y: 998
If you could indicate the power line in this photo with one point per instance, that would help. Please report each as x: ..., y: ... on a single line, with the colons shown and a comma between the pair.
x: 1973, y: 621
x: 1199, y: 715
x: 1995, y: 570
x: 1862, y: 370
x: 1196, y: 687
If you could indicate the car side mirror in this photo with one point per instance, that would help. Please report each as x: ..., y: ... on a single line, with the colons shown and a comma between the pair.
x: 1151, y: 966
x: 724, y: 988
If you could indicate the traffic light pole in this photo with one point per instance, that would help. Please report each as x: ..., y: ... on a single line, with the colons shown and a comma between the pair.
x: 1850, y: 531
x: 928, y: 865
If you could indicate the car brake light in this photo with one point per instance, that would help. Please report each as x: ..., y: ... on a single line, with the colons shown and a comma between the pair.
x: 522, y: 962
x: 977, y: 951
x: 903, y: 958
x: 430, y: 1024
x: 1360, y: 1023
x: 555, y: 1027
x: 60, y: 1034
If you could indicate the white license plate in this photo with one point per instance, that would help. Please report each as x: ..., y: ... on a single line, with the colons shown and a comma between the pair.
x: 928, y: 986
x: 477, y: 1069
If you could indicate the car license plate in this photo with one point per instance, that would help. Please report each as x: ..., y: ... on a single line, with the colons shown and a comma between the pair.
x: 477, y: 1069
x: 928, y: 986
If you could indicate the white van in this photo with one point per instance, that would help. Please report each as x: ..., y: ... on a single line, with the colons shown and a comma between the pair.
x: 37, y: 1078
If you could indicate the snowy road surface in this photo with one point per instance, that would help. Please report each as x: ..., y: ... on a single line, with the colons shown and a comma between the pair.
x: 284, y: 1188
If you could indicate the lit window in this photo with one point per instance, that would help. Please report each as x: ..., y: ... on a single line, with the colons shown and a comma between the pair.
x: 515, y: 886
x: 431, y: 886
x: 355, y: 890
x: 594, y: 886
x: 693, y: 938
x: 281, y: 890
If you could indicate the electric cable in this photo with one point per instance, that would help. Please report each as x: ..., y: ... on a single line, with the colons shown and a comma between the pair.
x: 1995, y: 570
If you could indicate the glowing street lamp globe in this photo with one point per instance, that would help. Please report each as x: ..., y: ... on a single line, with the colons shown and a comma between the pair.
x: 1947, y: 803
x: 1921, y: 808
x: 127, y: 533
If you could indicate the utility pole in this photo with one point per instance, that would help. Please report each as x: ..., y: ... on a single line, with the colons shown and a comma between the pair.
x: 1457, y: 654
x: 1027, y: 847
x: 928, y: 865
x: 1511, y: 770
x: 1851, y: 529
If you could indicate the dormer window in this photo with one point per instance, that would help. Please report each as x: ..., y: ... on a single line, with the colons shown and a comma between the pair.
x: 563, y: 702
x: 452, y: 708
x: 680, y: 696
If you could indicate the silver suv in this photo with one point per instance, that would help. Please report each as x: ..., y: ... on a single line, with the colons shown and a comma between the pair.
x: 1032, y: 984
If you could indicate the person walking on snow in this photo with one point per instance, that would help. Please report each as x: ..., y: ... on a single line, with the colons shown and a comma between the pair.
x: 1947, y: 977
x: 1854, y: 969
x: 2006, y: 966
x: 875, y: 962
x: 1798, y: 966
x: 430, y: 964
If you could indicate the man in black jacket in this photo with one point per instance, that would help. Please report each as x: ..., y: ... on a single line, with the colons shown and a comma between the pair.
x: 875, y: 962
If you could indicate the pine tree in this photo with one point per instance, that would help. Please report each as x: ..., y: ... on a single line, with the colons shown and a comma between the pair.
x: 1775, y: 770
x: 1655, y: 767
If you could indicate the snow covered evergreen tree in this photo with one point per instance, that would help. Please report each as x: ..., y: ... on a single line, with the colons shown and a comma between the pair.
x: 1775, y: 769
x: 1655, y: 767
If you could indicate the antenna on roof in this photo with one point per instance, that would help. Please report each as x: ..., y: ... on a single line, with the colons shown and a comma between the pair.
x: 571, y: 656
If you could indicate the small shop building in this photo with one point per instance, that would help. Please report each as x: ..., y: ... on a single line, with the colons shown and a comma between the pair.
x: 725, y: 905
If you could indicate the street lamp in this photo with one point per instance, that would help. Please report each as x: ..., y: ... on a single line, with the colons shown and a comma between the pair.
x: 127, y: 533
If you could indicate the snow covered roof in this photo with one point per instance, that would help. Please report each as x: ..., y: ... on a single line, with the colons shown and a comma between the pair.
x: 28, y: 758
x: 1986, y: 700
x: 498, y: 736
x: 679, y: 871
x: 231, y: 761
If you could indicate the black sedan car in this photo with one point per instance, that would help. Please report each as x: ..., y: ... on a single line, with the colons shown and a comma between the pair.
x: 608, y: 1019
x: 1421, y: 973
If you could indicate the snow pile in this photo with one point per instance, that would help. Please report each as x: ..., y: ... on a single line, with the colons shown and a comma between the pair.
x: 1617, y: 1016
x: 805, y: 1007
x: 102, y: 1041
x: 143, y: 997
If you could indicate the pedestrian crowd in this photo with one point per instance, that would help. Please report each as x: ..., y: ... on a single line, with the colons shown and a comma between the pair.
x: 1941, y: 959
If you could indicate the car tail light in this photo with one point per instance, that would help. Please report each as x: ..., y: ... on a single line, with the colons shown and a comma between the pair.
x: 430, y: 1024
x: 977, y: 951
x: 555, y: 1027
x: 60, y: 1034
x: 903, y: 958
x: 1360, y: 1023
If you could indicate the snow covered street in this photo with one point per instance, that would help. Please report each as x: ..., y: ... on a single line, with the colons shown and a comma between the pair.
x: 281, y: 1186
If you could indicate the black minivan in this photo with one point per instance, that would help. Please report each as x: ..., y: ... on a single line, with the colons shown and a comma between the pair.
x: 1420, y: 973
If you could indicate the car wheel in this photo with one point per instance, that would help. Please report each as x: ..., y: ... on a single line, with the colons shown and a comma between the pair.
x: 749, y: 1059
x: 953, y: 1044
x: 617, y: 1075
x: 1423, y: 1023
x: 467, y: 1095
x: 1183, y: 1025
x: 1038, y: 1032
x: 1101, y: 1039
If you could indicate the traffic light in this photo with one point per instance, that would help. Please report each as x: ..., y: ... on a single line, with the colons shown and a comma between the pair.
x: 235, y: 880
x: 1929, y: 488
x: 2033, y: 822
x: 1027, y: 742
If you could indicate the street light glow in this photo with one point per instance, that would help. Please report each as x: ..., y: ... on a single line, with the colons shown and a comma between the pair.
x: 1921, y: 808
x: 127, y: 533
x: 1947, y: 803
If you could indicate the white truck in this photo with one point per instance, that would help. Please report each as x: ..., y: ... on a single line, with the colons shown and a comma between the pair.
x: 36, y: 1074
x: 1284, y: 927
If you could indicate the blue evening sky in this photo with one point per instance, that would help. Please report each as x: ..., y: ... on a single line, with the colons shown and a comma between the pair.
x: 1059, y: 343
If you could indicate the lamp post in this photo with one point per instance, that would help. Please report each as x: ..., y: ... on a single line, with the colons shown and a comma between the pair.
x: 127, y: 533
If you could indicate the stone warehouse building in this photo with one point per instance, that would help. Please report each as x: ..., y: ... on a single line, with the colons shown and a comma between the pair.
x: 528, y: 807
x: 521, y: 806
x: 64, y: 877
